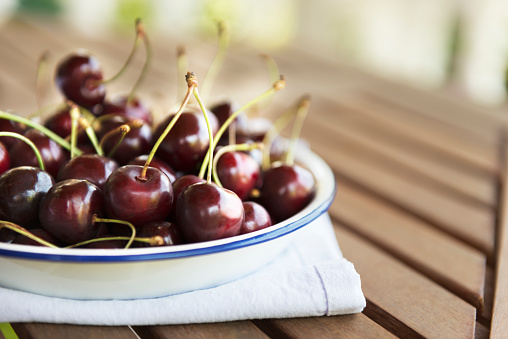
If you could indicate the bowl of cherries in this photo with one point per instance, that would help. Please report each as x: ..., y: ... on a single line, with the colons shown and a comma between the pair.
x: 99, y: 200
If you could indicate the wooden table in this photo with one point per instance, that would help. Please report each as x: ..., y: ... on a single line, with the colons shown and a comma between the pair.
x: 422, y: 197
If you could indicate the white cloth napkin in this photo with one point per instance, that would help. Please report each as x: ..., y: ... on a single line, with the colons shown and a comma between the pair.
x: 310, y: 278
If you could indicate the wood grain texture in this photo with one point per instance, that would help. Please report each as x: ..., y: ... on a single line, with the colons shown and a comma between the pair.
x: 52, y: 331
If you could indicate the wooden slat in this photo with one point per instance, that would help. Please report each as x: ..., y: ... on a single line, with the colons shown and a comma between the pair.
x: 404, y: 295
x: 473, y: 224
x: 440, y: 257
x: 53, y: 331
x: 236, y: 329
x: 499, y: 326
x: 344, y: 326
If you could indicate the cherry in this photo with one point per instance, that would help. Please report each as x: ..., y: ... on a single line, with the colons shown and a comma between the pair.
x: 238, y: 172
x: 137, y: 141
x: 167, y: 231
x: 39, y: 232
x: 21, y: 189
x: 60, y: 122
x: 69, y: 209
x: 256, y: 217
x: 185, y: 147
x: 286, y: 190
x: 157, y: 163
x: 107, y: 244
x: 79, y: 77
x: 53, y: 155
x: 7, y: 125
x: 7, y: 235
x: 91, y: 167
x: 137, y: 198
x: 179, y: 185
x: 205, y: 211
x: 133, y: 108
x: 5, y: 159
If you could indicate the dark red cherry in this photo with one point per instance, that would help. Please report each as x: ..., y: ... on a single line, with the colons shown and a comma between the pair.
x: 21, y: 190
x: 286, y: 190
x: 137, y: 142
x: 52, y: 153
x: 157, y: 163
x: 5, y: 159
x: 136, y: 200
x: 256, y: 217
x: 60, y: 122
x: 7, y: 235
x: 168, y: 232
x: 78, y: 77
x: 186, y: 144
x: 107, y: 244
x: 68, y: 210
x: 133, y: 109
x: 253, y: 128
x: 205, y: 211
x: 39, y: 232
x: 238, y: 172
x: 179, y: 185
x: 10, y: 126
x: 91, y: 167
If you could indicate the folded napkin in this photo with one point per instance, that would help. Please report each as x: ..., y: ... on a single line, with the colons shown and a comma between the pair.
x: 310, y: 278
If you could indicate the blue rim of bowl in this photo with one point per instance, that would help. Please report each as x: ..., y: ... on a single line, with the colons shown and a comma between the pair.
x: 296, y: 222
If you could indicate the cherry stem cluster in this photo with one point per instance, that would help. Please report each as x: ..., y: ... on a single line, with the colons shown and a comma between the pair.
x: 303, y: 109
x: 55, y: 137
x: 117, y: 221
x: 277, y: 86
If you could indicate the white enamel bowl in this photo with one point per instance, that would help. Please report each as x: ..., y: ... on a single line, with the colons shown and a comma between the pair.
x: 153, y: 272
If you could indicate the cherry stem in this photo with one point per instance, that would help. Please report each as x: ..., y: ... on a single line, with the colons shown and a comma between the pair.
x: 29, y: 142
x: 168, y: 128
x: 148, y: 57
x: 277, y: 86
x: 152, y: 241
x: 40, y: 90
x: 85, y: 124
x: 272, y: 133
x: 25, y: 232
x: 232, y: 148
x: 303, y: 109
x: 116, y: 221
x: 191, y: 79
x: 182, y: 67
x: 271, y: 65
x: 55, y: 137
x: 122, y: 130
x: 218, y: 61
x: 129, y: 58
x: 75, y: 115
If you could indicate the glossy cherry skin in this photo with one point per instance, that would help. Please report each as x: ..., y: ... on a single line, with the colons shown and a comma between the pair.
x: 68, y: 210
x: 256, y: 217
x: 60, y: 122
x: 238, y: 172
x: 21, y: 190
x: 133, y: 109
x: 286, y: 190
x: 168, y: 231
x: 186, y: 144
x: 135, y: 200
x: 205, y: 211
x: 91, y: 167
x: 179, y: 185
x: 78, y: 77
x: 157, y: 163
x: 137, y: 142
x: 5, y: 159
x: 53, y: 155
x: 39, y: 232
x: 10, y: 126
